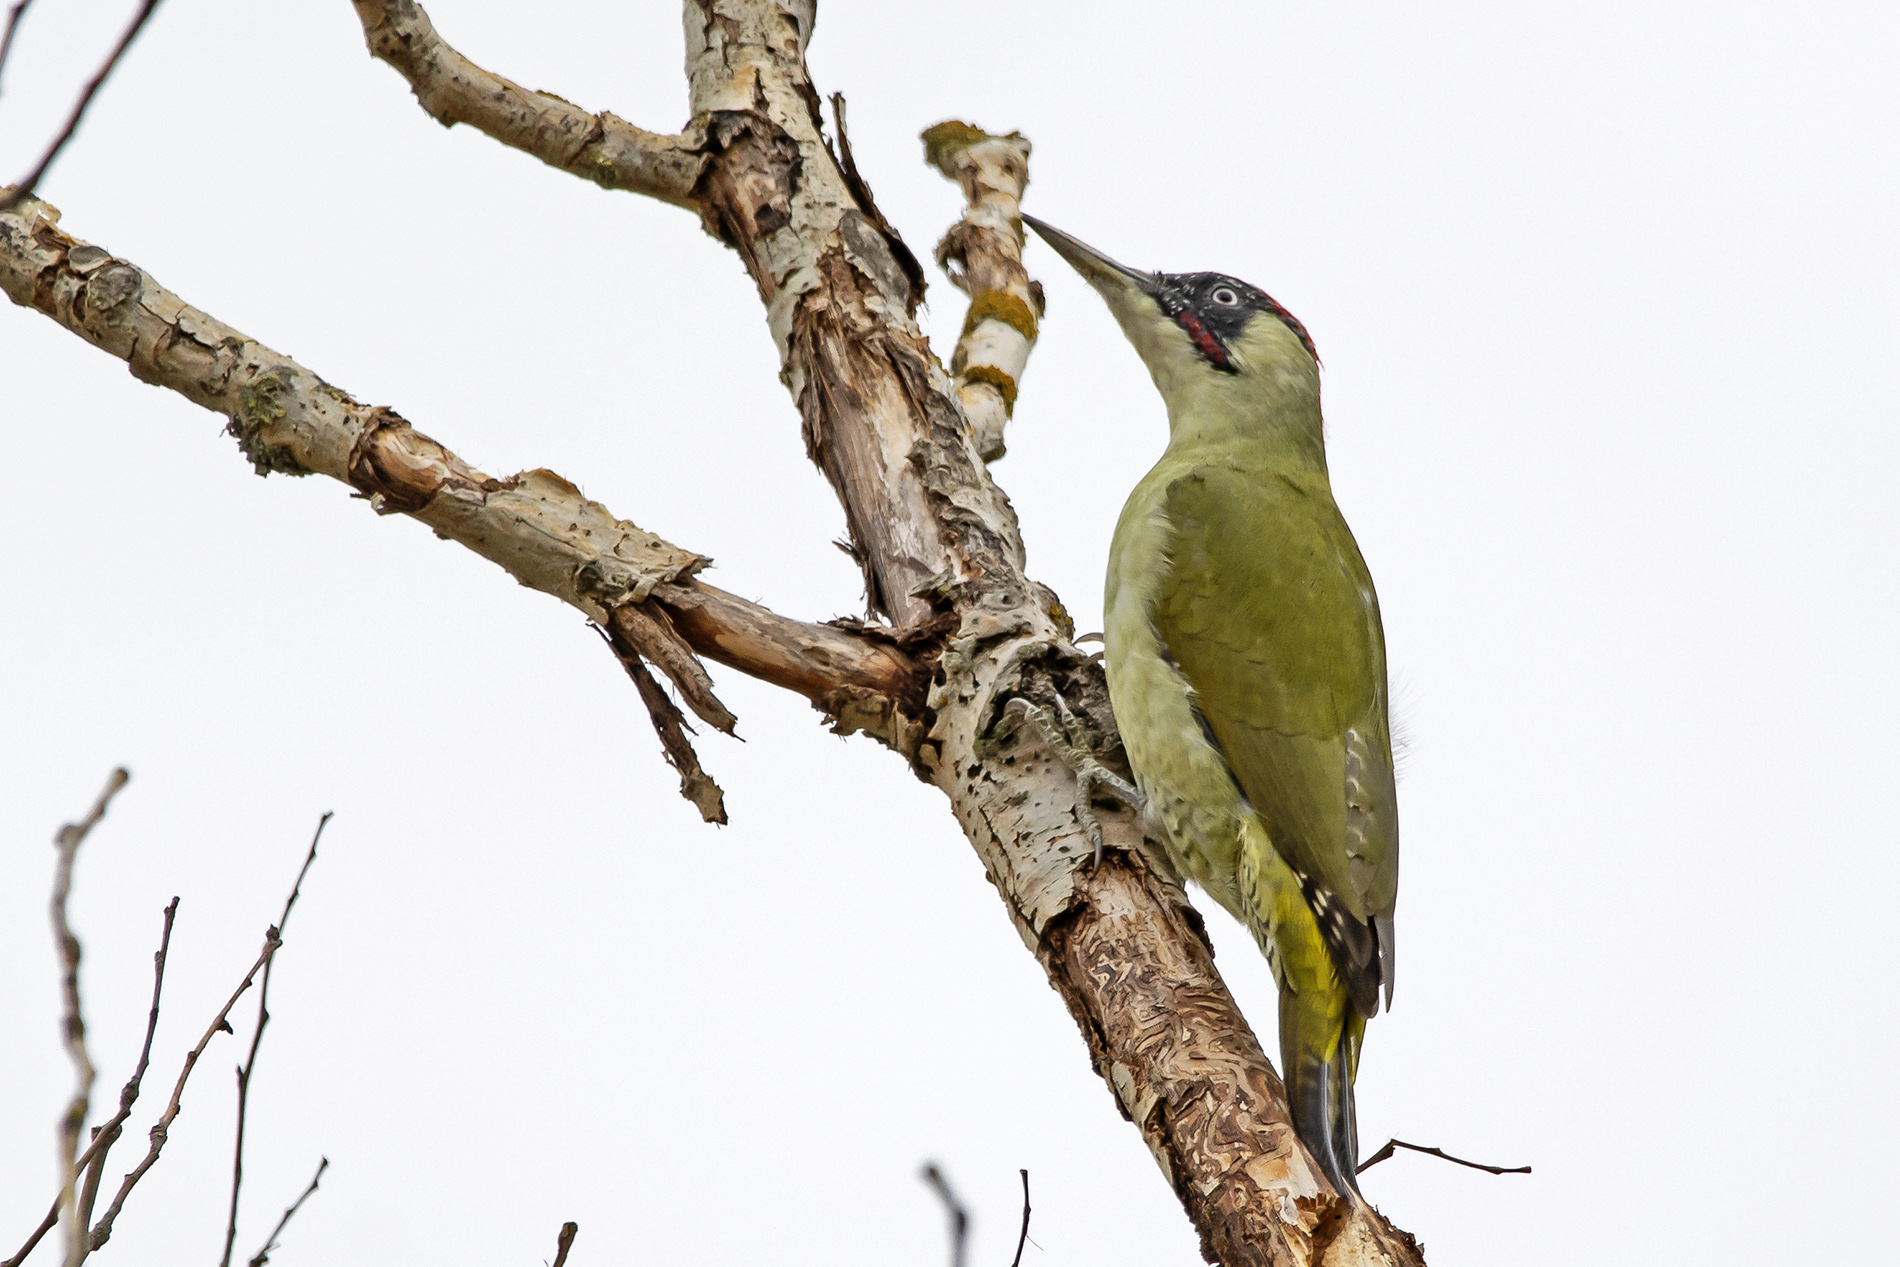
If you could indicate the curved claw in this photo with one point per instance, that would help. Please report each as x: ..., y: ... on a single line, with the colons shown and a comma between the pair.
x: 1069, y: 740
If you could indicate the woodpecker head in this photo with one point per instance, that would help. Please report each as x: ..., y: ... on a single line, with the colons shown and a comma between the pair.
x: 1199, y: 333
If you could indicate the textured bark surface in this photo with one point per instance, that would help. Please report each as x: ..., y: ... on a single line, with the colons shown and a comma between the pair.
x: 535, y: 524
x: 963, y: 630
x: 983, y: 254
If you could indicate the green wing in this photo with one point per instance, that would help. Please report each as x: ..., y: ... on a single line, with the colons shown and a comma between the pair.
x: 1270, y: 614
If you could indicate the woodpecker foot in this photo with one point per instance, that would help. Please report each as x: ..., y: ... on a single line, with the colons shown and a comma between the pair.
x: 1064, y: 732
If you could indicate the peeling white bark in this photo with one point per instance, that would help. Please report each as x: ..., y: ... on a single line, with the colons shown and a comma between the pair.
x: 903, y: 443
x: 983, y: 254
x: 535, y: 524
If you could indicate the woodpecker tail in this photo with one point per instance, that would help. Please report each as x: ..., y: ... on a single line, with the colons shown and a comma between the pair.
x: 1319, y: 1052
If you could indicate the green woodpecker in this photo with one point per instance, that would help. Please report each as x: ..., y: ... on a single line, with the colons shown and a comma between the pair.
x: 1246, y: 664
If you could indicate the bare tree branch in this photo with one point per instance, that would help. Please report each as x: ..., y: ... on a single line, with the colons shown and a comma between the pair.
x: 220, y: 1024
x: 73, y: 1022
x: 13, y: 22
x: 20, y: 192
x: 273, y: 941
x: 1392, y: 1144
x: 599, y: 147
x: 92, y: 1161
x: 262, y: 1256
x: 564, y: 1242
x: 108, y: 1134
x: 943, y: 563
x: 959, y: 1217
x: 1023, y: 1235
x: 535, y: 524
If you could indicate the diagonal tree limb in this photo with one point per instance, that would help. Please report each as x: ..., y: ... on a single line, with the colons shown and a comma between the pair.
x: 939, y: 541
x: 759, y: 164
x: 944, y: 565
x: 535, y: 524
x: 599, y: 147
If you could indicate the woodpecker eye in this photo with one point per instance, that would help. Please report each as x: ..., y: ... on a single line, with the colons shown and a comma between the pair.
x: 1225, y: 297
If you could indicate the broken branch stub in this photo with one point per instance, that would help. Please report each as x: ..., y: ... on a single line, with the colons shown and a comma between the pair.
x: 983, y: 255
x: 937, y: 539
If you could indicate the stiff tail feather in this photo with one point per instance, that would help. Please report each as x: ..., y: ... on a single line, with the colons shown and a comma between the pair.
x: 1319, y: 1051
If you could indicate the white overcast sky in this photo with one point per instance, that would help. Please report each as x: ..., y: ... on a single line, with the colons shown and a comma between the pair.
x: 1606, y: 298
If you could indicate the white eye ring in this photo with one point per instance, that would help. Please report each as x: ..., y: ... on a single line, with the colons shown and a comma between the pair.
x: 1225, y: 297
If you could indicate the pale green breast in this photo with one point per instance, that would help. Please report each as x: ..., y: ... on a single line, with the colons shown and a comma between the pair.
x: 1186, y: 780
x: 1248, y: 585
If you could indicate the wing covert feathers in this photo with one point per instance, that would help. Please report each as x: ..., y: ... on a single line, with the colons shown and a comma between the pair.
x: 1269, y: 612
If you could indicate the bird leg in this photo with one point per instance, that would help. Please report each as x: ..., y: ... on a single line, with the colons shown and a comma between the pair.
x: 1066, y: 735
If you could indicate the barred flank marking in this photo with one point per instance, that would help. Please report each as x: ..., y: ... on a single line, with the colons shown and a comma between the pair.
x: 1003, y: 307
x: 997, y: 379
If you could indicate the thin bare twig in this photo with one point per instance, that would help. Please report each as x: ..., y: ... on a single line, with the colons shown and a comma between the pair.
x: 108, y: 1134
x: 561, y: 1245
x: 73, y: 1023
x: 13, y: 21
x: 272, y: 942
x: 1392, y: 1144
x: 220, y: 1024
x: 959, y: 1217
x: 25, y: 188
x: 92, y: 1161
x: 262, y: 1256
x: 1024, y: 1234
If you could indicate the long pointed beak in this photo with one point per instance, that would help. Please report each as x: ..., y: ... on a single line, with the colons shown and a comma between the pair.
x: 1111, y: 279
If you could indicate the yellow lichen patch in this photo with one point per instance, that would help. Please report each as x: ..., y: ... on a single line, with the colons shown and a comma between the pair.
x: 1004, y: 307
x: 1002, y: 382
x: 941, y: 140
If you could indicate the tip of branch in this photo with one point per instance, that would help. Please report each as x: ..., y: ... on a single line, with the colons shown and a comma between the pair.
x: 944, y: 141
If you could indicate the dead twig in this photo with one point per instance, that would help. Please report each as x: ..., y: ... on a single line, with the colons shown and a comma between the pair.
x: 92, y: 1161
x: 272, y: 942
x: 107, y: 1135
x: 25, y: 188
x: 562, y: 1244
x: 1024, y: 1234
x: 73, y: 1023
x: 671, y: 725
x: 959, y: 1217
x: 262, y: 1256
x: 13, y: 20
x: 220, y: 1024
x: 1392, y: 1144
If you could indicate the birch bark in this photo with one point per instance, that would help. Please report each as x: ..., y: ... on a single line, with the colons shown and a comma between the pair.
x: 963, y: 629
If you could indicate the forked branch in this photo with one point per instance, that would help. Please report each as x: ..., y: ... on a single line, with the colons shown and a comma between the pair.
x: 535, y: 524
x: 904, y: 445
